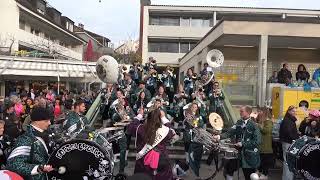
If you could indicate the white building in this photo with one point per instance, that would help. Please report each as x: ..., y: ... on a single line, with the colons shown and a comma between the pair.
x: 32, y: 35
x: 34, y: 25
x: 254, y: 41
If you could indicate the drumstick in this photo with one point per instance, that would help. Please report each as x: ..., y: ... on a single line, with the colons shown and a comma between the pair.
x: 60, y: 170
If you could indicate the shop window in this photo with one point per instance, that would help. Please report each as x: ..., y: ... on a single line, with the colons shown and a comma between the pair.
x: 22, y: 24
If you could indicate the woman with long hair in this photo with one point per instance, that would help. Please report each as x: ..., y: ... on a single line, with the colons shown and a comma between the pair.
x: 265, y: 125
x: 151, y: 140
x: 288, y: 132
x: 141, y: 102
x: 179, y: 101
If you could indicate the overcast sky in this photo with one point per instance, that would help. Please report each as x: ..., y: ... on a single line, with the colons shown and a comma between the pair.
x: 119, y: 19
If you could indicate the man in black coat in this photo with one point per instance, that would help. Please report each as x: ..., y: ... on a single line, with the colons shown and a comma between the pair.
x: 284, y: 75
x: 12, y: 125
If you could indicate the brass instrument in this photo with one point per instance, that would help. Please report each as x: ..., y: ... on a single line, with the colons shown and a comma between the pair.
x: 170, y: 71
x: 153, y: 62
x: 154, y: 74
x: 216, y: 93
x: 124, y: 69
x: 194, y: 76
x: 121, y: 111
x: 205, y: 138
x: 139, y: 67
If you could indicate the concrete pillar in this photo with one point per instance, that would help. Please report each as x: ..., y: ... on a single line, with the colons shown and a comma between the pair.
x: 262, y: 70
x: 214, y: 19
x: 26, y: 85
x: 2, y: 88
x: 68, y: 85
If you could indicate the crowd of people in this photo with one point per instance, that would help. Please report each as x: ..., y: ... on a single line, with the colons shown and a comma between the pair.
x: 284, y: 76
x: 157, y: 112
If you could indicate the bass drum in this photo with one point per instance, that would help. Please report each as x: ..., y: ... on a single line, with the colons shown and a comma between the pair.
x: 303, y: 157
x: 81, y: 159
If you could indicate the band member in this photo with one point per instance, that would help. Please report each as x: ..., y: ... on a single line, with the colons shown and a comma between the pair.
x: 179, y: 101
x: 140, y: 88
x: 163, y: 96
x: 151, y: 139
x: 168, y: 79
x: 141, y: 102
x: 136, y: 72
x: 189, y: 82
x: 193, y: 149
x: 122, y: 111
x: 200, y: 98
x: 30, y: 153
x: 247, y: 138
x: 216, y: 98
x: 108, y: 94
x: 127, y: 85
x: 152, y: 81
x: 152, y: 64
x: 75, y: 121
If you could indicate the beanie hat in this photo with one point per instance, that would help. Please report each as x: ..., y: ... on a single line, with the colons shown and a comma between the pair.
x: 40, y: 114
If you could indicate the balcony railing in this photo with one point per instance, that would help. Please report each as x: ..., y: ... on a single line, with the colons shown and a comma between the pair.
x: 50, y: 47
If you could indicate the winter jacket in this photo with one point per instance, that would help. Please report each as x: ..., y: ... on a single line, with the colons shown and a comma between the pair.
x: 288, y: 129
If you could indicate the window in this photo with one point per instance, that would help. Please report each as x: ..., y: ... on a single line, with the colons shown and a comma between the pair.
x: 164, y: 21
x: 46, y: 36
x: 154, y: 20
x: 184, y: 47
x: 207, y: 23
x: 37, y: 32
x: 196, y: 22
x: 192, y: 45
x: 32, y: 30
x: 22, y: 24
x: 185, y: 21
x: 170, y: 47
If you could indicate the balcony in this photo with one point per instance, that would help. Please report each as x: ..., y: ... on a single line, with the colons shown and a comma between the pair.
x: 166, y: 58
x: 39, y: 43
x: 177, y: 31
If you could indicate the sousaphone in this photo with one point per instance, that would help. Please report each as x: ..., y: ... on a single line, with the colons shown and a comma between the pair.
x: 214, y: 59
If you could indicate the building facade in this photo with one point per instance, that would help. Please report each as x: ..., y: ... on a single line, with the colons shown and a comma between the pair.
x: 255, y: 42
x: 40, y: 48
x: 37, y: 29
x: 255, y: 45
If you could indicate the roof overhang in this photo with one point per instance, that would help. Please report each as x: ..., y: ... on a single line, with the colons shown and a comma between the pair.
x: 247, y: 34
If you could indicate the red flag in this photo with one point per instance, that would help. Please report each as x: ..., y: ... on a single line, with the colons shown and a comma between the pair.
x: 89, y: 51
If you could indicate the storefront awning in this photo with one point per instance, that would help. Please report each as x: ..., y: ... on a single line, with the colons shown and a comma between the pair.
x: 48, y: 68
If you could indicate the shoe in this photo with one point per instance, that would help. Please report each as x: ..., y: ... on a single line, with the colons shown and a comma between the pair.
x: 263, y: 177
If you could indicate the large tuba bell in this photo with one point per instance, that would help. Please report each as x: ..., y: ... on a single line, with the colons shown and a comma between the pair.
x: 214, y: 59
x: 107, y: 69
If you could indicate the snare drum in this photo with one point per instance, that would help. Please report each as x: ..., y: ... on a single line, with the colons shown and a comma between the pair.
x: 81, y: 159
x: 303, y: 157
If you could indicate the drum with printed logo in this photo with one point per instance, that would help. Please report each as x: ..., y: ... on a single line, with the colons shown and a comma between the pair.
x: 81, y: 159
x: 303, y: 157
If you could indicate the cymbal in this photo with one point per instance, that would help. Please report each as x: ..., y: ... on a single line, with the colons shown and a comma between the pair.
x: 216, y: 121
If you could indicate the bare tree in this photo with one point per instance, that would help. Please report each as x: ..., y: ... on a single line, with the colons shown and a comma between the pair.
x: 6, y: 43
x: 53, y: 49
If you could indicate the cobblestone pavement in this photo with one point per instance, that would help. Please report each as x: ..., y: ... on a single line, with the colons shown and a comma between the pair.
x: 205, y: 171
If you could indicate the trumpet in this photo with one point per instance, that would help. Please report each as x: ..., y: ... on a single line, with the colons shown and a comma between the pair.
x: 139, y: 67
x: 170, y: 71
x: 153, y: 62
x: 194, y: 76
x: 154, y: 74
x: 124, y: 69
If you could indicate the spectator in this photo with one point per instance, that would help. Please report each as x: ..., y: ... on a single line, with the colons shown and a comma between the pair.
x: 266, y: 152
x: 12, y: 123
x: 31, y: 94
x: 4, y: 145
x: 302, y: 74
x: 310, y: 126
x: 18, y: 107
x: 28, y: 106
x: 284, y: 75
x: 273, y: 78
x: 58, y: 108
x: 288, y: 133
